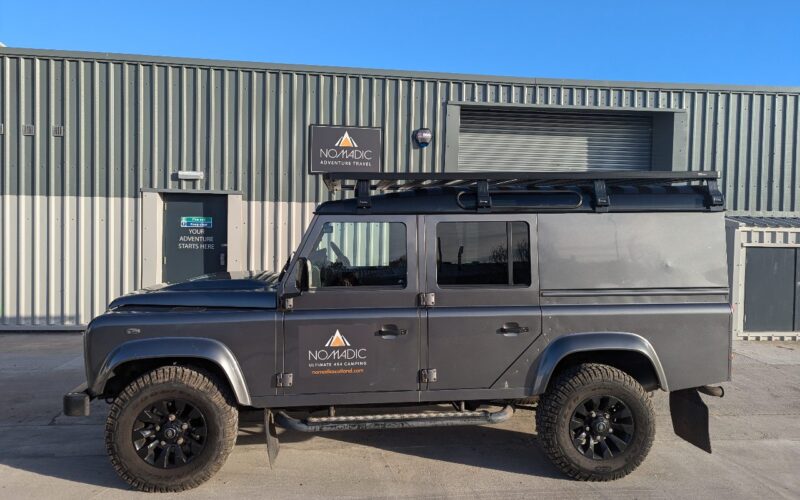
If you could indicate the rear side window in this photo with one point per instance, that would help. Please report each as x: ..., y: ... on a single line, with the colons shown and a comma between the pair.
x: 483, y: 253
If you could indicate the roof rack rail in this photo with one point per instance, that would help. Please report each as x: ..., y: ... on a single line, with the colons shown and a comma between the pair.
x: 486, y: 183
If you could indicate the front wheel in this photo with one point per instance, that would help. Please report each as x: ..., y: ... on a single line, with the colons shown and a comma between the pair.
x: 596, y: 423
x: 171, y: 429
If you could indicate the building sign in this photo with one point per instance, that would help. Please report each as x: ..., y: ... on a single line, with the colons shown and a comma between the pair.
x: 345, y: 149
x: 206, y: 222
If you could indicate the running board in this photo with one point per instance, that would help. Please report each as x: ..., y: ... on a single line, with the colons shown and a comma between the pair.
x: 393, y: 420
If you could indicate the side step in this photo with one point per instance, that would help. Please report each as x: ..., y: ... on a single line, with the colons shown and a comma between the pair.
x: 393, y: 420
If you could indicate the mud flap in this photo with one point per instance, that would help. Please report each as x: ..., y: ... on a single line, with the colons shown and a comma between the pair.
x: 273, y: 445
x: 690, y: 417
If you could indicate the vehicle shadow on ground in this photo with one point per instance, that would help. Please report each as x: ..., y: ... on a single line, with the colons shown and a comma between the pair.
x: 486, y: 447
x: 92, y: 470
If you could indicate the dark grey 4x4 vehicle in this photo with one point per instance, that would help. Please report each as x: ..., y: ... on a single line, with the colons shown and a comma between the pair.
x: 580, y: 293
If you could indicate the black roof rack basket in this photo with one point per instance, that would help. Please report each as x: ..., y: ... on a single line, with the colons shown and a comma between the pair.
x: 486, y: 183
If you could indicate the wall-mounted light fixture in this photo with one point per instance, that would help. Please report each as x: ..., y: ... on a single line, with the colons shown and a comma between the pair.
x: 190, y: 175
x: 423, y: 137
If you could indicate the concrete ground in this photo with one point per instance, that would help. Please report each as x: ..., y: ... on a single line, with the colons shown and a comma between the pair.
x: 755, y: 434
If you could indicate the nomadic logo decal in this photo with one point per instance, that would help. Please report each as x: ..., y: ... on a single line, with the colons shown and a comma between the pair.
x: 337, y: 340
x: 337, y: 357
x: 344, y: 149
x: 346, y: 141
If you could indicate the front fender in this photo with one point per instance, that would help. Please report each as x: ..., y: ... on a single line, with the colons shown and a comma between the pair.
x: 175, y: 347
x: 601, y: 341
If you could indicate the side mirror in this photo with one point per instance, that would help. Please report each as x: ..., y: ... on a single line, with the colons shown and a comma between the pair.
x: 303, y: 272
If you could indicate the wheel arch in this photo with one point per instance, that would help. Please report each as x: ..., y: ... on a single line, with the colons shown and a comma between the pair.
x: 139, y: 356
x: 629, y: 352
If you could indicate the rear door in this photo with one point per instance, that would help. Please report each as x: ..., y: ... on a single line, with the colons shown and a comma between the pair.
x: 482, y: 271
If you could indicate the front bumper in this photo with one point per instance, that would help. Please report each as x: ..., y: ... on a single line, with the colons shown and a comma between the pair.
x: 76, y: 402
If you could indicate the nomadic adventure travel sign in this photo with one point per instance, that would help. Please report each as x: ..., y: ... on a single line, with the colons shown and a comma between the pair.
x: 344, y: 149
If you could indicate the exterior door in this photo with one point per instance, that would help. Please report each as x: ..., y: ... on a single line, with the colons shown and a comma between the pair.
x: 772, y: 290
x: 482, y: 271
x: 195, y: 235
x: 358, y: 327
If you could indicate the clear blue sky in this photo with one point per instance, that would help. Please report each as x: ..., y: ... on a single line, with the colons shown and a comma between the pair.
x: 697, y: 41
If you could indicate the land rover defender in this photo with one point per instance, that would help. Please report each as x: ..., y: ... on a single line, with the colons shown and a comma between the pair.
x: 579, y: 293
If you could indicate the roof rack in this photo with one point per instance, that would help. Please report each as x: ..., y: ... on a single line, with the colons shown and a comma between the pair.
x: 486, y: 183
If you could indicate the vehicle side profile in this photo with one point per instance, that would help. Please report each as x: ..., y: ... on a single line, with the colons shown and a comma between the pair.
x: 580, y: 293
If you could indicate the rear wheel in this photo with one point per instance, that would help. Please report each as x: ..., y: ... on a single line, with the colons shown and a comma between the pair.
x: 170, y: 430
x: 596, y: 423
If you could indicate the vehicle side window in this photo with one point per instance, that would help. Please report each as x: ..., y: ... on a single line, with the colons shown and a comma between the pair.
x: 483, y: 253
x: 359, y: 254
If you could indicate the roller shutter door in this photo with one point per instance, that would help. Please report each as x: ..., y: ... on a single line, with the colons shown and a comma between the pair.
x: 492, y: 139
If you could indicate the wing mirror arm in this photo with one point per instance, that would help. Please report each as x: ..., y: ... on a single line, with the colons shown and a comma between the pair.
x: 303, y: 274
x: 298, y: 281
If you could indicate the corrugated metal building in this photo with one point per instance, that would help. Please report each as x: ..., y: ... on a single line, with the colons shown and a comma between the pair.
x: 91, y: 144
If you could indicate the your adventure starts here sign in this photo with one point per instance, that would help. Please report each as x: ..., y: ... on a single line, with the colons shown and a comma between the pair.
x: 345, y: 149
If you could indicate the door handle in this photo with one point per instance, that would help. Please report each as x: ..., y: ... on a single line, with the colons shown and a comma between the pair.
x: 390, y: 332
x: 512, y: 329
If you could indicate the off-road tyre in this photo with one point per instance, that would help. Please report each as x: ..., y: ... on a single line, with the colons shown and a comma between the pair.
x: 209, y: 396
x: 555, y: 409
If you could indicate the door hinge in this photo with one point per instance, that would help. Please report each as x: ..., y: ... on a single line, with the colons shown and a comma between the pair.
x: 427, y: 299
x: 284, y: 380
x: 427, y: 375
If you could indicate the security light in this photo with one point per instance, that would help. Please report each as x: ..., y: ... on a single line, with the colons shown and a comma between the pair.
x: 423, y: 137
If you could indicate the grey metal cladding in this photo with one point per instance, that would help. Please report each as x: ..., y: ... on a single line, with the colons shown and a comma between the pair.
x: 130, y: 121
x: 767, y: 222
x: 632, y: 250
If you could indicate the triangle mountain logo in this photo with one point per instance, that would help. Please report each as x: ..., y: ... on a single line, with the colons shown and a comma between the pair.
x: 346, y: 141
x: 337, y: 340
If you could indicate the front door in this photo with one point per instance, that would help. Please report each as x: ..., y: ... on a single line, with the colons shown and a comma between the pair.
x: 358, y: 327
x: 195, y: 235
x: 482, y: 271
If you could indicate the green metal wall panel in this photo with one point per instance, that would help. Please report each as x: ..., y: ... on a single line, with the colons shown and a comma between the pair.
x: 129, y: 123
x: 104, y: 126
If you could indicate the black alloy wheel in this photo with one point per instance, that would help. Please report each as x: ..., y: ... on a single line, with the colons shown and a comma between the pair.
x: 601, y: 427
x: 595, y: 422
x: 169, y: 433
